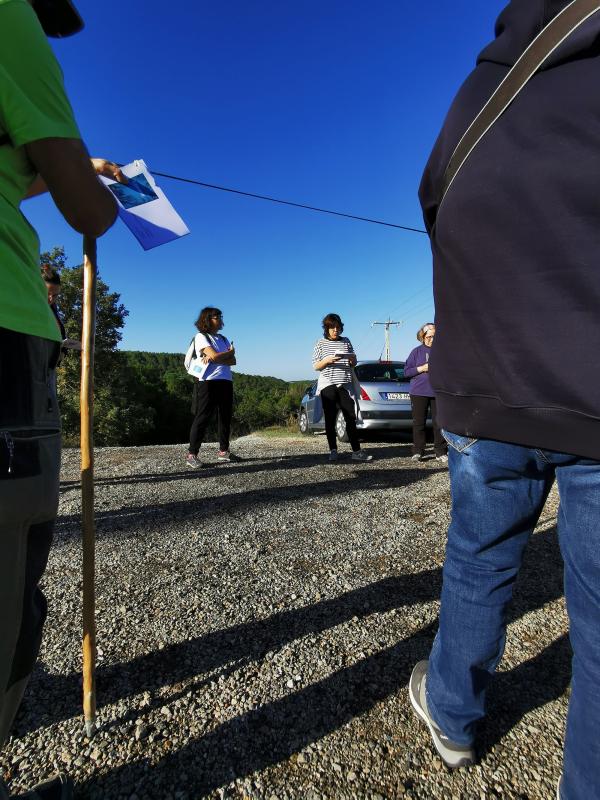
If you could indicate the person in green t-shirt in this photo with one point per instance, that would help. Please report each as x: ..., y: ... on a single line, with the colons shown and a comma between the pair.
x: 40, y: 150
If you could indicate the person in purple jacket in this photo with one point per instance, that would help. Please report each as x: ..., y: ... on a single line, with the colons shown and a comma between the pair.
x: 422, y: 396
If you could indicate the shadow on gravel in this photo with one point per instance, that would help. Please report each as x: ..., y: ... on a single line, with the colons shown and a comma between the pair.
x: 236, y: 646
x: 275, y: 731
x: 134, y: 518
x: 271, y: 734
x: 209, y: 470
x: 260, y: 464
x: 532, y: 684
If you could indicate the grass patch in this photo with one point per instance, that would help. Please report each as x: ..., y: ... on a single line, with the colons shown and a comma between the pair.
x: 280, y: 432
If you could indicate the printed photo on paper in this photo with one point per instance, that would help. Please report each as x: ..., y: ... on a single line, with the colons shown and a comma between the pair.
x: 135, y: 193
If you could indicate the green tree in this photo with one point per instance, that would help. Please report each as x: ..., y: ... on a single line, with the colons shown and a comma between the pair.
x: 119, y: 418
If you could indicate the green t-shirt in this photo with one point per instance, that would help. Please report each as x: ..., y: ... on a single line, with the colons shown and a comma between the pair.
x: 33, y: 105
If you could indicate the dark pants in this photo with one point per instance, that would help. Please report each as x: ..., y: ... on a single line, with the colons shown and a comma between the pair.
x: 208, y: 396
x: 420, y: 406
x: 29, y: 474
x: 332, y: 398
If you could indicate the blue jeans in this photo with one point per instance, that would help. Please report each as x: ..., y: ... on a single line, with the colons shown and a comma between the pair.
x: 498, y: 493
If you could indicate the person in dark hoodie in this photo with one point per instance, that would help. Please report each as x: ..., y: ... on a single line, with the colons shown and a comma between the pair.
x: 516, y: 244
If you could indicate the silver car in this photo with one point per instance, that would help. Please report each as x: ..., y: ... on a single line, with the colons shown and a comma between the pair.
x: 384, y: 403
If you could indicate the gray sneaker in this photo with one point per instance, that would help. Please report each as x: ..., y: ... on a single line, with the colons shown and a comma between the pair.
x: 416, y: 457
x: 192, y: 461
x: 442, y: 459
x: 453, y: 754
x: 360, y: 455
x: 333, y: 455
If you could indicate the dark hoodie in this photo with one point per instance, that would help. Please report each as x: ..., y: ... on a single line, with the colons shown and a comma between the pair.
x: 516, y: 247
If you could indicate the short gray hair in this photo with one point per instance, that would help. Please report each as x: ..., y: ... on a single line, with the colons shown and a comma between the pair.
x: 423, y: 330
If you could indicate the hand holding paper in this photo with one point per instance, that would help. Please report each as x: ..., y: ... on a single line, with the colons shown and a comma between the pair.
x: 108, y: 169
x: 143, y: 206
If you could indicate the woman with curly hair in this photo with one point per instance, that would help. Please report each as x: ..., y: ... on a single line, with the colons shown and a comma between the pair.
x: 213, y: 388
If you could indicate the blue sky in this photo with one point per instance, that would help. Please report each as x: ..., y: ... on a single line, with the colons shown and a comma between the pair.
x: 331, y: 103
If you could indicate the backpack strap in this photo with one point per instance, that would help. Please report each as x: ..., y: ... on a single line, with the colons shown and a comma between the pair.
x: 211, y: 339
x: 544, y: 44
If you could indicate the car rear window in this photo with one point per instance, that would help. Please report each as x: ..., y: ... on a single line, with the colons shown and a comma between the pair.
x: 380, y: 372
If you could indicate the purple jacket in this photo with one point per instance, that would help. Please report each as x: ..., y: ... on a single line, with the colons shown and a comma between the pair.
x: 419, y: 383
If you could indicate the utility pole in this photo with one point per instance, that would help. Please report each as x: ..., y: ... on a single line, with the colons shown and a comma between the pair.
x: 387, y: 325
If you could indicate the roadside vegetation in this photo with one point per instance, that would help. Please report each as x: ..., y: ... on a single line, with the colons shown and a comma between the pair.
x: 144, y: 398
x: 290, y: 428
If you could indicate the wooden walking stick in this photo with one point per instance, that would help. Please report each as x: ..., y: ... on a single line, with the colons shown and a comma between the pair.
x: 86, y: 402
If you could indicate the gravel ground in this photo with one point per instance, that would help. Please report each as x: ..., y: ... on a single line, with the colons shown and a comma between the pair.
x: 257, y: 624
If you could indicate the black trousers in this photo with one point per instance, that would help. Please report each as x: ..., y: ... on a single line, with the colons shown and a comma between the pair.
x: 208, y: 396
x: 420, y: 406
x: 29, y: 475
x: 332, y: 398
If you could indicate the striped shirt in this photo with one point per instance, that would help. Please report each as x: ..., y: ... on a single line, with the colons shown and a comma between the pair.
x: 333, y: 374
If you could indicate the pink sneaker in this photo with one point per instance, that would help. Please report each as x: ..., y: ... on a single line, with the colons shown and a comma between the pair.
x: 223, y: 455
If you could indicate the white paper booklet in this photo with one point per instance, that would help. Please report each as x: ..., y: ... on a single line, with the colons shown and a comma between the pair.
x: 144, y: 207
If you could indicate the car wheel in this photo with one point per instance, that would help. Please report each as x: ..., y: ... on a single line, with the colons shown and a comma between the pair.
x: 303, y: 422
x: 340, y: 428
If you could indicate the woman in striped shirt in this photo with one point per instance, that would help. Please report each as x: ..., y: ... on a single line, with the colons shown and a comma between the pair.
x: 334, y: 359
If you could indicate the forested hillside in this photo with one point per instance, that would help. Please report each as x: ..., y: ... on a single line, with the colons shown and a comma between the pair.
x: 144, y: 398
x: 158, y: 381
x: 150, y: 395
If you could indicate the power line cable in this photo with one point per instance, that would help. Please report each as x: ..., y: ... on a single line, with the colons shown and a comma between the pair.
x: 418, y: 306
x: 417, y: 310
x: 288, y: 202
x: 406, y: 300
x: 377, y: 311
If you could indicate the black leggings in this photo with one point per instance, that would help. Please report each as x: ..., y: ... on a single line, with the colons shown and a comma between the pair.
x: 420, y: 406
x: 332, y: 398
x: 209, y: 395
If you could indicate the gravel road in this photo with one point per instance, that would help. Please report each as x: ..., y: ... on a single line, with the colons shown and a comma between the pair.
x: 257, y: 625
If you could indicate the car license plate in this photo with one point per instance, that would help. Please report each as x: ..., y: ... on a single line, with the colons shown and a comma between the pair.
x: 397, y: 396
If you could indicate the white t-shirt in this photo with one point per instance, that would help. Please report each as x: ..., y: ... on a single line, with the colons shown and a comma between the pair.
x: 220, y: 344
